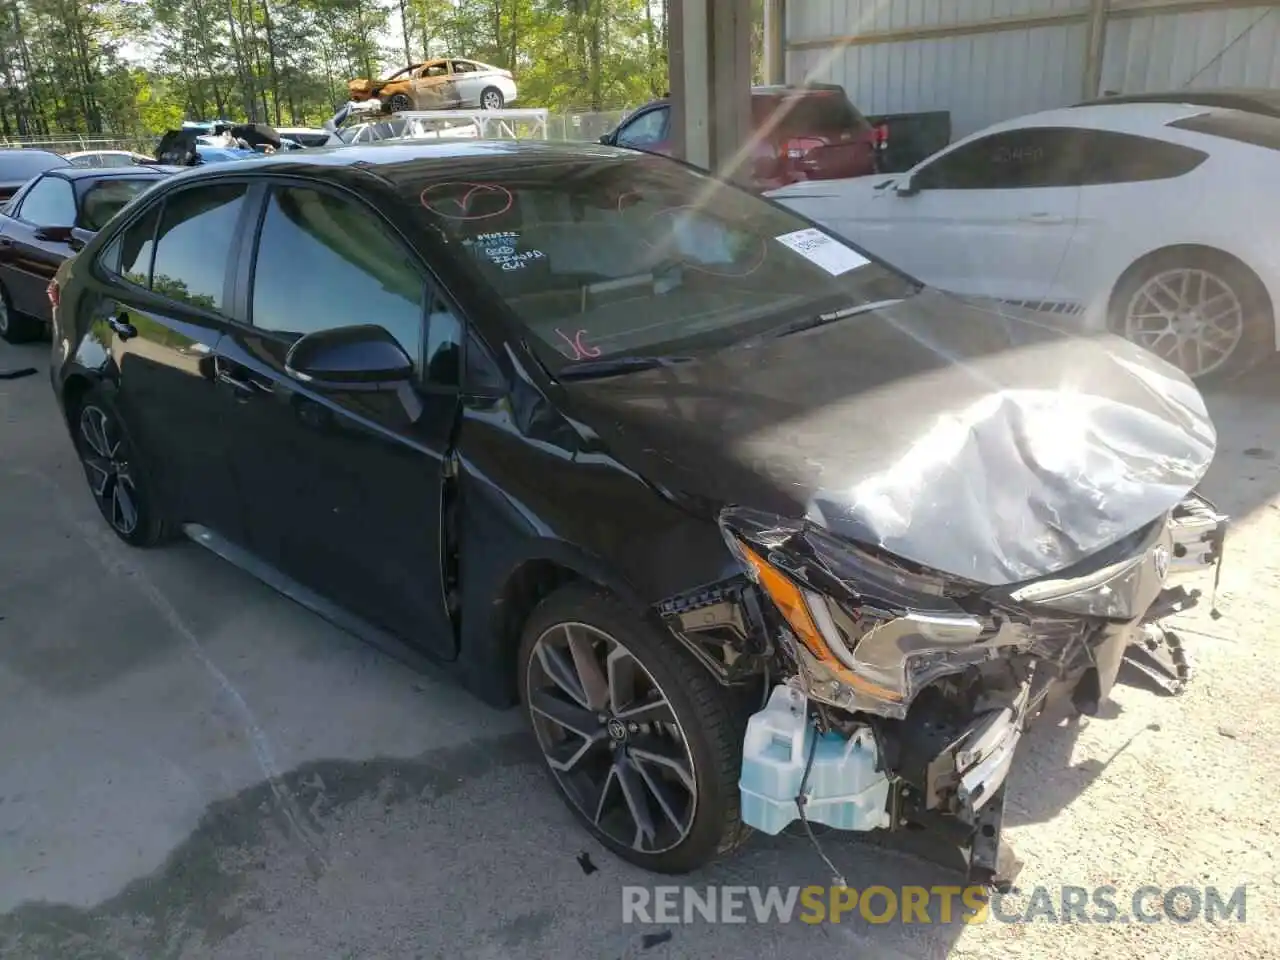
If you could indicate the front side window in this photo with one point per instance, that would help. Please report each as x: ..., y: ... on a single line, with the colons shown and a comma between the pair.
x: 198, y: 229
x: 645, y: 130
x: 1035, y: 157
x: 325, y: 261
x: 49, y: 203
x: 633, y: 255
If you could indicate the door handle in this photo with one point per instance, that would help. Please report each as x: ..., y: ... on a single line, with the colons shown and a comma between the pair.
x: 6, y: 241
x: 243, y: 388
x: 122, y: 327
x: 1045, y: 218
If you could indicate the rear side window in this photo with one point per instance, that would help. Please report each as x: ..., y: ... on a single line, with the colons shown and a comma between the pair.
x: 197, y: 231
x: 1111, y: 157
x: 1036, y: 157
x: 1241, y: 127
x: 811, y: 114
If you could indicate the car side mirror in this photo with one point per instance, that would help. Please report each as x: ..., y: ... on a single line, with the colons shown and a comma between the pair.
x: 360, y: 357
x: 607, y: 140
x: 906, y: 187
x: 55, y: 234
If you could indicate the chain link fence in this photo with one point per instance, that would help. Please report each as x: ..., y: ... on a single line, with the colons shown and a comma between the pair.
x: 560, y: 126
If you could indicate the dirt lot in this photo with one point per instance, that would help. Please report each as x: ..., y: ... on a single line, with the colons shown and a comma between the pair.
x: 192, y: 767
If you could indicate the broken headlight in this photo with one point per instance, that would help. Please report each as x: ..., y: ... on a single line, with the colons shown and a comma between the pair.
x: 868, y: 635
x: 1122, y: 590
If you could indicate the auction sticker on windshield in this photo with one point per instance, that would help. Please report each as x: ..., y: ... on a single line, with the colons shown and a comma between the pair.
x: 823, y: 251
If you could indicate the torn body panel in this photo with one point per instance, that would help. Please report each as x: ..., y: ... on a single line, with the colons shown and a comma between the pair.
x: 948, y: 673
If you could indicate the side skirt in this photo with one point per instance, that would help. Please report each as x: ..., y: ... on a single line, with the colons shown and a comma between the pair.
x: 326, y: 609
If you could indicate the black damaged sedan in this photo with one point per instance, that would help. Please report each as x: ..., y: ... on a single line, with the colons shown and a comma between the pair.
x: 754, y: 526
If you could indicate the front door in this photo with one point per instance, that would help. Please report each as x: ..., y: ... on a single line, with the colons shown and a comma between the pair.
x: 344, y: 488
x: 30, y: 257
x: 992, y: 217
x: 434, y: 87
x: 161, y: 318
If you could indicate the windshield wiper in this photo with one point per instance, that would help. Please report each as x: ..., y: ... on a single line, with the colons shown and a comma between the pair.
x: 808, y: 323
x: 615, y: 366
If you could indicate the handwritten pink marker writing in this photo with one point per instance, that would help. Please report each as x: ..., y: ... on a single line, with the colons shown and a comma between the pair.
x: 581, y: 351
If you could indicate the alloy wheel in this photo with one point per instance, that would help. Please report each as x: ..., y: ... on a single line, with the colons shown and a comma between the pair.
x: 1190, y: 317
x: 105, y: 457
x: 492, y: 100
x: 4, y: 315
x: 611, y: 738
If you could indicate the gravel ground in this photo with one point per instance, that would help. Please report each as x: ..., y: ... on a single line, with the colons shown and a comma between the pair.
x: 192, y: 767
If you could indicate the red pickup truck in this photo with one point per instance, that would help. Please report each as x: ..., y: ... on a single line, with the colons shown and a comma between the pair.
x: 810, y: 132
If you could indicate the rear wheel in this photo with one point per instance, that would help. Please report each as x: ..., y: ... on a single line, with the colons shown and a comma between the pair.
x: 641, y: 743
x: 17, y: 327
x: 491, y: 98
x: 1201, y: 310
x: 117, y: 480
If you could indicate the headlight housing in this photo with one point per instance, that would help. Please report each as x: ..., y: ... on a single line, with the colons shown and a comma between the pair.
x: 868, y: 636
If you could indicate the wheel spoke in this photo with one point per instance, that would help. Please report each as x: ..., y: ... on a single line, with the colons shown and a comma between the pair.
x: 634, y: 795
x: 666, y: 755
x: 93, y: 429
x: 567, y: 754
x: 610, y: 779
x: 587, y: 664
x: 653, y: 709
x: 568, y: 716
x: 123, y: 506
x: 561, y: 673
x: 661, y: 792
x: 98, y: 474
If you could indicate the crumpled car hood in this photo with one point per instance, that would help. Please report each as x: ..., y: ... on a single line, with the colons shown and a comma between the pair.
x: 976, y: 440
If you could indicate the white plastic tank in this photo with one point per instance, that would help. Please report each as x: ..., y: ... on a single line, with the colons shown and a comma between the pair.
x: 845, y: 789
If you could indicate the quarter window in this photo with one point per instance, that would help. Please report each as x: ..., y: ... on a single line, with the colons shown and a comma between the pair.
x: 1125, y: 158
x: 49, y: 203
x: 129, y: 254
x: 198, y: 229
x: 1015, y: 159
x: 324, y: 261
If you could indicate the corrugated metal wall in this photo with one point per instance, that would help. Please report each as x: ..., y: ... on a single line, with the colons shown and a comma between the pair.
x: 1232, y: 47
x: 989, y: 60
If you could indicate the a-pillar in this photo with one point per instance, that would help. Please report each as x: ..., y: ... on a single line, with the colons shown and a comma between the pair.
x: 710, y: 62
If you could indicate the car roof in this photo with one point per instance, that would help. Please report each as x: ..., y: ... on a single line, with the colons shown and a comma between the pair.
x: 12, y: 151
x: 104, y: 173
x: 1124, y: 117
x: 393, y: 160
x: 1238, y: 98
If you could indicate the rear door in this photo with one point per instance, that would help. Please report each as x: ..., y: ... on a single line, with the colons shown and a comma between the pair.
x: 468, y: 81
x: 344, y: 488
x: 161, y: 319
x: 991, y: 217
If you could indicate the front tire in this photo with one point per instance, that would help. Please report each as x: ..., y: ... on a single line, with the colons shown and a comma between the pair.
x: 117, y: 479
x: 1201, y: 310
x: 640, y: 741
x: 17, y: 327
x: 399, y: 103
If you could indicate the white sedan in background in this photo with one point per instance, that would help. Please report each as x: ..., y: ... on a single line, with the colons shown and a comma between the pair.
x: 1155, y: 220
x: 108, y: 158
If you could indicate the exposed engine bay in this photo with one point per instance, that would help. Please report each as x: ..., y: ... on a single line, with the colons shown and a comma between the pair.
x: 897, y: 695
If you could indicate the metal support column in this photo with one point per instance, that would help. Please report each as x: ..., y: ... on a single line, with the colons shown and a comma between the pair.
x: 710, y: 57
x: 1096, y: 39
x: 775, y: 41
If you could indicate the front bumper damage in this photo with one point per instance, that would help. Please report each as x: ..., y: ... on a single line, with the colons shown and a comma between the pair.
x: 898, y: 697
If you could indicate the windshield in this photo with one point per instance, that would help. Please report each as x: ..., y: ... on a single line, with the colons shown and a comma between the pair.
x: 635, y: 256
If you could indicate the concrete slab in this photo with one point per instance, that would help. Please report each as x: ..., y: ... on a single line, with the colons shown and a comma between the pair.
x: 194, y: 767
